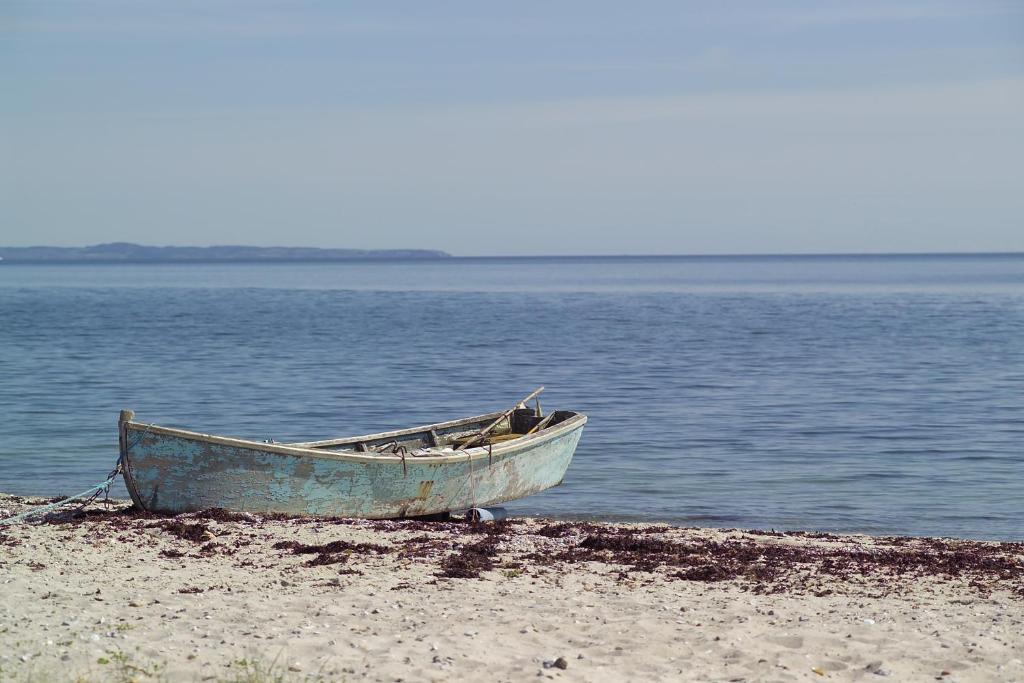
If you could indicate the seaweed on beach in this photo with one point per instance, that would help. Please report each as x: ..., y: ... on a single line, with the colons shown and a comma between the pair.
x: 335, y: 552
x: 222, y: 515
x: 117, y: 517
x: 700, y: 560
x: 765, y: 532
x: 775, y: 567
x: 332, y: 548
x: 629, y: 543
x: 975, y: 560
x: 707, y: 573
x: 197, y: 532
x: 327, y: 558
x: 453, y: 527
x: 563, y: 529
x: 396, y: 525
x: 212, y: 548
x: 421, y: 546
x: 821, y: 535
x: 501, y: 528
x: 471, y: 559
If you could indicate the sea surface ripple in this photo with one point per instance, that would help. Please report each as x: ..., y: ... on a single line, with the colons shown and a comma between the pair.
x: 876, y: 394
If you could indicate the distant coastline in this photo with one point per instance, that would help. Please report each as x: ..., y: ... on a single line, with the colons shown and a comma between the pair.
x: 126, y: 252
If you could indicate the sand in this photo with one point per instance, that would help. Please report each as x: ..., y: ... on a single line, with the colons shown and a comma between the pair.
x: 115, y: 595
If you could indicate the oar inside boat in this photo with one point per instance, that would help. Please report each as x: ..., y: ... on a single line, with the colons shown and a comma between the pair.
x: 504, y: 416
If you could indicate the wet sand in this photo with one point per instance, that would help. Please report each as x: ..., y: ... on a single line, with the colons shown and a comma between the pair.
x: 116, y: 594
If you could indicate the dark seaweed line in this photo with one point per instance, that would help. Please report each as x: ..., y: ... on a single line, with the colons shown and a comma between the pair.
x: 762, y: 566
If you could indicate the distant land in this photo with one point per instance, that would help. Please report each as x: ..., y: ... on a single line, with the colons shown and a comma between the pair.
x: 127, y: 252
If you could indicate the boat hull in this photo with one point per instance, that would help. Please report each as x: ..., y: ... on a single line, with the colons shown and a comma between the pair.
x: 173, y: 471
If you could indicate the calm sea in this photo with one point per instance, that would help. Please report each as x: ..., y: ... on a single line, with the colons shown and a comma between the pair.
x: 856, y: 394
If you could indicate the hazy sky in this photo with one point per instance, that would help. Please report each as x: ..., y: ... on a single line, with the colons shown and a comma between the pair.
x: 515, y: 128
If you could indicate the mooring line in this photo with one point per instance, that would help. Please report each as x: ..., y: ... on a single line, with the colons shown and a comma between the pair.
x: 103, y: 487
x: 93, y: 491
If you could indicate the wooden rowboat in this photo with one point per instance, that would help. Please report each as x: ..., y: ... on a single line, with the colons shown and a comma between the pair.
x: 472, y: 462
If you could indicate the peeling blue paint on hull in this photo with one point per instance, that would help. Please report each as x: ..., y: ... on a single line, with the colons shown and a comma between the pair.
x: 173, y: 471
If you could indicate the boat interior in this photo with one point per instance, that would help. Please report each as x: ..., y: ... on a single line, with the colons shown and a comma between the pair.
x: 451, y: 436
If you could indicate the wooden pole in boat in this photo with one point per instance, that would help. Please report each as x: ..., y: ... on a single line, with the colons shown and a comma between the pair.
x: 487, y: 430
x: 122, y: 433
x: 542, y: 424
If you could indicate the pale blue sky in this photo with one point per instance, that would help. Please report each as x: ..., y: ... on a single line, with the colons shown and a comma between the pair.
x: 520, y: 128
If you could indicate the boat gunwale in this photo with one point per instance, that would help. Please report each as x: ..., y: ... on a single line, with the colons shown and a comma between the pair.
x: 303, y: 449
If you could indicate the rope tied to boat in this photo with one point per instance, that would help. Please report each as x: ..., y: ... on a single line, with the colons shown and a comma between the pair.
x: 93, y: 492
x: 401, y: 451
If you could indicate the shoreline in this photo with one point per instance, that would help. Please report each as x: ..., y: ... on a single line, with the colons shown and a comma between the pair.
x: 220, y: 596
x: 38, y: 499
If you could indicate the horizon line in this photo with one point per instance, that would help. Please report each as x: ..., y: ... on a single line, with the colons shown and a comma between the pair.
x: 756, y: 255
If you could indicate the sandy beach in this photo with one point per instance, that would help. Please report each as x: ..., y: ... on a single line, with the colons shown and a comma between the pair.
x: 113, y: 594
